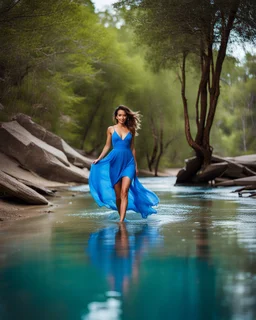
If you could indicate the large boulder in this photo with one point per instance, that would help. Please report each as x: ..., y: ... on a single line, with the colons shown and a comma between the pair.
x: 53, y: 140
x: 15, y: 188
x: 12, y: 167
x: 16, y: 141
x: 38, y: 156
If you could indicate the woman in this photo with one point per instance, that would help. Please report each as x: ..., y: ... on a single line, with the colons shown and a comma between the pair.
x: 113, y: 179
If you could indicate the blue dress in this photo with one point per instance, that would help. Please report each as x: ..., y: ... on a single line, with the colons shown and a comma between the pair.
x: 108, y: 171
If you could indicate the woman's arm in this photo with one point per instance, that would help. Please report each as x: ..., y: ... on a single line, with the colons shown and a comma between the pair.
x: 106, y: 147
x: 134, y: 154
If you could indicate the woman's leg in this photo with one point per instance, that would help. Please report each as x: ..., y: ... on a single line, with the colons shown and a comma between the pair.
x: 117, y: 188
x: 125, y: 185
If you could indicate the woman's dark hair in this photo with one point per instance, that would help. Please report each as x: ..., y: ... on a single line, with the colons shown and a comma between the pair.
x: 133, y: 118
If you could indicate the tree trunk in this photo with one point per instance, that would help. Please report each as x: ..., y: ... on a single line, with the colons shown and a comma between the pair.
x: 208, y: 91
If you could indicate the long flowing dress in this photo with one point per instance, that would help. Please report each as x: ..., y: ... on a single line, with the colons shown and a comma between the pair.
x: 108, y: 171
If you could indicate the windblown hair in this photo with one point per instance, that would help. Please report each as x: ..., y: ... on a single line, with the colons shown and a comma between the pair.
x: 133, y: 120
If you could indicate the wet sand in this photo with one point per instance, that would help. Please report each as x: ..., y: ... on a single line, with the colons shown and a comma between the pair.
x: 11, y: 212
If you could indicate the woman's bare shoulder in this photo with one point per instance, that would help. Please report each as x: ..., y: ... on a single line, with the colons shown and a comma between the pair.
x: 111, y: 129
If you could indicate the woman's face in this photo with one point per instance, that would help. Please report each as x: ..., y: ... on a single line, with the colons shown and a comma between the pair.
x: 121, y: 116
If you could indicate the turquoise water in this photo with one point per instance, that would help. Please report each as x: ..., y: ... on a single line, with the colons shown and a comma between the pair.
x: 195, y: 259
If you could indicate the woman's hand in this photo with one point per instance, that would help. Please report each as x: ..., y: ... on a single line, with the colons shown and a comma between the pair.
x: 96, y: 161
x: 137, y: 171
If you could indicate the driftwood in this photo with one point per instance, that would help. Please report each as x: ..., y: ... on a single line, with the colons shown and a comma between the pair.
x: 19, y: 190
x: 53, y: 140
x: 236, y: 171
x: 187, y: 173
x: 213, y: 170
x: 250, y: 181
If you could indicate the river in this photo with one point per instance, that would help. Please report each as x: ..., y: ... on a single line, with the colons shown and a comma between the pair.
x: 194, y: 259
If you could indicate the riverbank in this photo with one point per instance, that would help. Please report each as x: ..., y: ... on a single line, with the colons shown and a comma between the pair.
x: 12, y: 210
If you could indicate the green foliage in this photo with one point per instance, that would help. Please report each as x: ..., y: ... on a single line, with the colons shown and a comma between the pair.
x: 68, y: 68
x: 184, y: 35
x: 235, y: 129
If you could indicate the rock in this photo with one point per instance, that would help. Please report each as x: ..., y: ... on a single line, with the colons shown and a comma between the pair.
x: 37, y: 156
x: 53, y: 140
x: 19, y: 190
x: 16, y: 142
x: 51, y: 168
x: 13, y: 168
x: 37, y: 188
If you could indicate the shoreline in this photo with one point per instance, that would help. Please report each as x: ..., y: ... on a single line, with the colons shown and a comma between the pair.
x: 12, y: 210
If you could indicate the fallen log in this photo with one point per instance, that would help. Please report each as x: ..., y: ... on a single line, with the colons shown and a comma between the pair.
x: 19, y: 190
x: 220, y: 179
x: 248, y: 161
x: 248, y: 172
x: 212, y: 171
x: 249, y: 187
x: 239, y: 182
x: 222, y: 171
x: 51, y: 139
x: 226, y: 183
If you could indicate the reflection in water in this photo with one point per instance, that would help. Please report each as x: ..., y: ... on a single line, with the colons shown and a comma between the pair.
x: 118, y: 250
x: 202, y: 233
x: 203, y: 269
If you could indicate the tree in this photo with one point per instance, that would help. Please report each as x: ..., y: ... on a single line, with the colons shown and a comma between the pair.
x: 193, y: 34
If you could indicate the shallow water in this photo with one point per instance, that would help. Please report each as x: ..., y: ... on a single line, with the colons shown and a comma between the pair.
x: 195, y: 259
